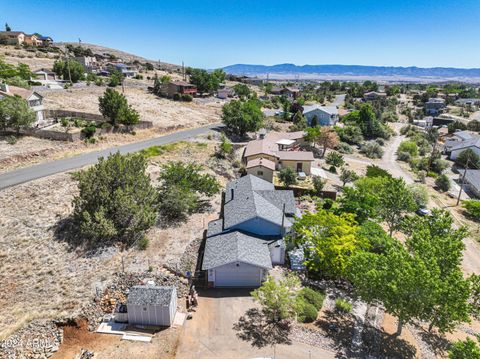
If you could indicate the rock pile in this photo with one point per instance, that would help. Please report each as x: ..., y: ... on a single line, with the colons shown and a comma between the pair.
x: 38, y: 340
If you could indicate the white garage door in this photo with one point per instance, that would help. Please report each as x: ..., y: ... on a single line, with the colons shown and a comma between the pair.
x: 243, y: 275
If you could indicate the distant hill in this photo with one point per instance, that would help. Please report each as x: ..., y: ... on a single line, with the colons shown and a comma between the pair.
x: 125, y: 56
x: 316, y: 71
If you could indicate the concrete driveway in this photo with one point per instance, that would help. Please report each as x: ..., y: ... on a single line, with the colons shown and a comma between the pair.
x: 210, y: 333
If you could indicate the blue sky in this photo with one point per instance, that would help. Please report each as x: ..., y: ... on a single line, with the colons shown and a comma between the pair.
x: 208, y: 33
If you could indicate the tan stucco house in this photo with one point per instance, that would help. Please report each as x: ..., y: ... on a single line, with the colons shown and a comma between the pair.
x: 277, y: 150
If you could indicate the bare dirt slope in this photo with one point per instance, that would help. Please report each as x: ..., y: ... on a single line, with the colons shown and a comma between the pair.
x: 35, y: 59
x: 43, y: 277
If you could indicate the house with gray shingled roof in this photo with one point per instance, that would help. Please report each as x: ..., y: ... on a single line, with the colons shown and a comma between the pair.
x: 243, y: 245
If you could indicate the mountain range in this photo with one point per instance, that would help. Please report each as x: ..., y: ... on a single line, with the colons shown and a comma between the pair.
x: 316, y: 71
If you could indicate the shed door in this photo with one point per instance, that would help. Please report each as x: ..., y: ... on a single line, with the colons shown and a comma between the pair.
x: 243, y: 275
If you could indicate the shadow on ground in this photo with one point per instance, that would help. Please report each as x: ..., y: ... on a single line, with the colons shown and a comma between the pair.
x: 377, y: 343
x: 255, y: 328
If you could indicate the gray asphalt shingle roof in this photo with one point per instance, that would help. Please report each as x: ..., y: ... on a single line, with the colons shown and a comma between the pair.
x: 150, y: 295
x: 236, y: 247
x: 472, y: 177
x: 473, y: 142
x: 254, y: 197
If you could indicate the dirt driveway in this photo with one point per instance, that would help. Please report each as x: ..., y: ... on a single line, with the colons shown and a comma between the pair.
x: 210, y: 333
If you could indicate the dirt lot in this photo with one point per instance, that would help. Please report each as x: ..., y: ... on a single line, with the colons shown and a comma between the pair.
x: 36, y: 60
x: 42, y: 277
x: 166, y: 115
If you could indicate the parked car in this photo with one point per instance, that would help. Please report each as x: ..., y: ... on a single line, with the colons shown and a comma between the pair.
x: 423, y: 212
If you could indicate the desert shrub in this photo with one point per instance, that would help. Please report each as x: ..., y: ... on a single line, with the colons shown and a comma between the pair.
x: 177, y: 97
x: 89, y: 131
x: 375, y: 171
x: 372, y: 149
x: 313, y: 297
x: 187, y: 98
x: 343, y: 306
x: 408, y: 146
x: 344, y: 147
x: 404, y: 156
x: 472, y: 207
x: 420, y: 194
x: 443, y: 183
x: 143, y: 243
x: 11, y: 140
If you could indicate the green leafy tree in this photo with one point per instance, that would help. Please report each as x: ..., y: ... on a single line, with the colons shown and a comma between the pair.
x: 116, y: 77
x: 242, y: 90
x: 443, y: 183
x: 330, y: 240
x: 375, y: 171
x: 116, y: 200
x: 312, y: 134
x: 318, y: 185
x: 16, y: 114
x: 114, y: 107
x: 334, y: 159
x: 468, y: 159
x: 369, y: 124
x: 362, y: 199
x: 287, y: 176
x: 439, y: 245
x: 465, y: 349
x: 204, y: 81
x: 395, y: 278
x: 278, y: 299
x: 395, y: 200
x: 241, y: 117
x: 347, y: 176
x: 69, y: 70
x: 191, y: 186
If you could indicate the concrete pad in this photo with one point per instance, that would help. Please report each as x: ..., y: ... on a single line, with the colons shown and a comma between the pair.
x: 112, y: 328
x: 179, y: 319
x: 137, y: 338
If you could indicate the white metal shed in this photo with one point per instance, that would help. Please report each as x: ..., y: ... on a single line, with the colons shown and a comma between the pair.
x: 152, y: 305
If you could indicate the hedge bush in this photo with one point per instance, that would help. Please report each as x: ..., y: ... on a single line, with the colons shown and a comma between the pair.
x: 343, y: 306
x: 313, y: 297
x: 307, y: 312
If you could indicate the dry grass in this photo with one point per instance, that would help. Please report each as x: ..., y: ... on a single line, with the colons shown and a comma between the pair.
x: 42, y: 277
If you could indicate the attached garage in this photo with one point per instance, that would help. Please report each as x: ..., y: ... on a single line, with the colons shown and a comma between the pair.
x: 235, y: 259
x: 238, y: 275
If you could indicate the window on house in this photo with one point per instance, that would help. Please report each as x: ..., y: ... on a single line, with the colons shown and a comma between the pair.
x: 259, y: 173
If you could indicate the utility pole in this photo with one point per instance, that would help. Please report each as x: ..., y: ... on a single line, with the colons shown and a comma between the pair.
x: 462, y: 182
x: 183, y: 72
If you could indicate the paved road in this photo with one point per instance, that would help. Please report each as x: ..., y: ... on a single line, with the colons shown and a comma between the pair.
x: 26, y: 174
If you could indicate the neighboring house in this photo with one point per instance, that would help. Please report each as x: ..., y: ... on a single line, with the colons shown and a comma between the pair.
x: 243, y: 245
x: 291, y: 92
x: 472, y: 181
x: 277, y: 150
x: 262, y: 168
x: 178, y: 87
x: 426, y: 123
x: 434, y: 106
x: 32, y: 40
x: 326, y: 116
x: 127, y: 71
x: 151, y: 305
x: 253, y: 81
x: 88, y: 62
x: 34, y: 101
x: 374, y: 96
x: 225, y: 93
x: 276, y: 91
x: 12, y: 37
x: 473, y: 144
x: 458, y: 138
x: 43, y: 75
x: 46, y: 78
x: 46, y: 40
